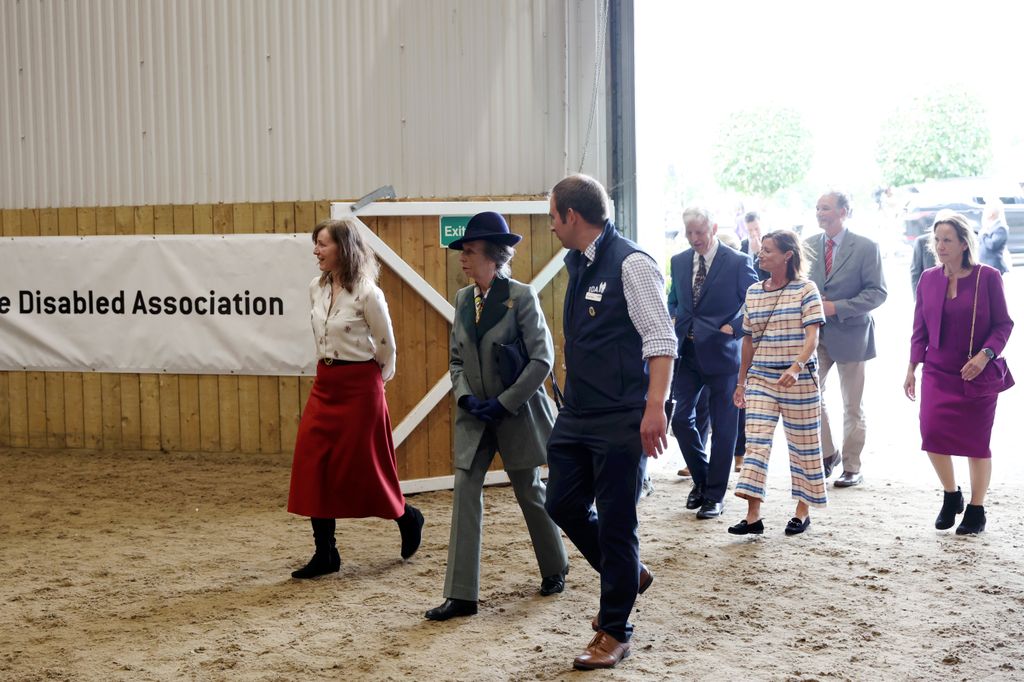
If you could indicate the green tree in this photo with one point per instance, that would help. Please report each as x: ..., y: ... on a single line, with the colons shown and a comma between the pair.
x: 943, y: 134
x: 762, y: 150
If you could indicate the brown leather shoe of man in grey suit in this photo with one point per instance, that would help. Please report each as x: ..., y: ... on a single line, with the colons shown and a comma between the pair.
x: 604, y: 651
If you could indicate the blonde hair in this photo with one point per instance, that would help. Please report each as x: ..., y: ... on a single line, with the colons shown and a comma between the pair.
x: 356, y: 262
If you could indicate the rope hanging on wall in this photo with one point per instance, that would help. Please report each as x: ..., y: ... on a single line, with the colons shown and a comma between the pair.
x: 598, y: 62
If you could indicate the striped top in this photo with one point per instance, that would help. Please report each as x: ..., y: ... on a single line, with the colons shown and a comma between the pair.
x: 776, y: 319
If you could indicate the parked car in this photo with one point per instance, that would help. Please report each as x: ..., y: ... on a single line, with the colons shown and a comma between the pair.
x: 966, y: 196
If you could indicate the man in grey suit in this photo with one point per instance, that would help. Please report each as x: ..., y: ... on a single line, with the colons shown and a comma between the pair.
x: 847, y: 268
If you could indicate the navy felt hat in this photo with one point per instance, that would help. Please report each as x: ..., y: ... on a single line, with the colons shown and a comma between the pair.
x: 487, y: 225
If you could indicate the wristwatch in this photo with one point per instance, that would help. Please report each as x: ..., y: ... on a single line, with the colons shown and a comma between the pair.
x: 988, y: 351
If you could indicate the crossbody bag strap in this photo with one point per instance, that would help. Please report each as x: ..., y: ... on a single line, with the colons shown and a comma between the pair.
x: 974, y: 313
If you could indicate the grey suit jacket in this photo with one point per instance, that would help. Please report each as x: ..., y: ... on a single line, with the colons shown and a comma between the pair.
x: 856, y: 285
x: 511, y: 310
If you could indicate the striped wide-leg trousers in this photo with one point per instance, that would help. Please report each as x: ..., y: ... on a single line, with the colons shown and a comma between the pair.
x: 800, y: 408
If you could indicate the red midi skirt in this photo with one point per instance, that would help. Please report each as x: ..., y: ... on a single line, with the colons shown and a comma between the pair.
x: 344, y: 464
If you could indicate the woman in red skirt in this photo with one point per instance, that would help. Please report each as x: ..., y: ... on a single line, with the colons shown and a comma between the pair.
x: 344, y: 465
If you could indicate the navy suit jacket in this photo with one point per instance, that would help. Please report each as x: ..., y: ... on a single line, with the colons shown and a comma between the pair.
x: 721, y: 302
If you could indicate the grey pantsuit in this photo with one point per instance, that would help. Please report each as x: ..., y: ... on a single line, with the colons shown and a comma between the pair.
x: 462, y: 578
x: 511, y: 311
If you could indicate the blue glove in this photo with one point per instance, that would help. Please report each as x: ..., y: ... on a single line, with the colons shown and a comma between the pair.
x: 470, y: 403
x: 489, y: 410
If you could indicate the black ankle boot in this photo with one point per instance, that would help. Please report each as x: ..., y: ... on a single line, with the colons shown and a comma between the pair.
x: 973, y: 522
x: 411, y: 526
x: 326, y: 559
x: 952, y: 504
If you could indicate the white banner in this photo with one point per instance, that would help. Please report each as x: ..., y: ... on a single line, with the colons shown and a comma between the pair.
x: 181, y: 304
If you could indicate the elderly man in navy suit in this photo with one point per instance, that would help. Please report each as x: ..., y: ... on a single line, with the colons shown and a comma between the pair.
x: 709, y: 285
x: 847, y: 268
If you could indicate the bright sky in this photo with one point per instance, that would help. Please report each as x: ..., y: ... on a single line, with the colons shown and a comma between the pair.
x: 844, y: 66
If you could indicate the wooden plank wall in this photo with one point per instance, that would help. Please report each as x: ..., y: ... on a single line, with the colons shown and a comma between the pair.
x: 225, y: 413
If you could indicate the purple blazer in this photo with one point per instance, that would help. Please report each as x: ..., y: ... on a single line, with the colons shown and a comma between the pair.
x: 992, y: 324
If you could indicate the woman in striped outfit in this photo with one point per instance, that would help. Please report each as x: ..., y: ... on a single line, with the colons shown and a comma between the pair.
x: 778, y: 376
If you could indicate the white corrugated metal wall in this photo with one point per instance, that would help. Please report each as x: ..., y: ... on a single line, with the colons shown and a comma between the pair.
x: 107, y: 102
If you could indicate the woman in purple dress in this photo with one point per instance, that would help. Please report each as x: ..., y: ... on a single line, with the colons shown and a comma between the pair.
x: 953, y: 423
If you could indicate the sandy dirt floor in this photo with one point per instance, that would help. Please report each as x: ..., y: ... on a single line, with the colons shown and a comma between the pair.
x: 136, y: 567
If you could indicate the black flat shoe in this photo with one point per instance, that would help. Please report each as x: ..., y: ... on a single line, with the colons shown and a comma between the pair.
x: 973, y: 521
x: 553, y: 584
x: 452, y: 608
x: 952, y: 504
x: 796, y: 526
x: 744, y: 528
x: 322, y: 563
x: 411, y: 526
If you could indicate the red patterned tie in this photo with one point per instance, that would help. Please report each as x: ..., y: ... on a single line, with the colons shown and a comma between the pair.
x: 829, y: 245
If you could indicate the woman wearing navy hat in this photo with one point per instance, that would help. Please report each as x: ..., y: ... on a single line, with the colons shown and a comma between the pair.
x: 511, y: 415
x: 344, y: 464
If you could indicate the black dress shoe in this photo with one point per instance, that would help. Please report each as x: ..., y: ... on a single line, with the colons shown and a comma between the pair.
x: 830, y: 463
x: 452, y: 608
x: 410, y: 524
x: 849, y: 479
x: 796, y: 526
x: 973, y: 522
x: 696, y: 497
x: 710, y: 510
x: 553, y: 584
x: 952, y: 504
x: 744, y: 528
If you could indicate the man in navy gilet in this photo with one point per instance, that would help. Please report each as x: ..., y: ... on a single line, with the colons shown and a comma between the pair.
x: 619, y: 349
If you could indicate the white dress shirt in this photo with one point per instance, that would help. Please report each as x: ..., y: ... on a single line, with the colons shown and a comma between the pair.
x: 357, y: 328
x: 708, y: 257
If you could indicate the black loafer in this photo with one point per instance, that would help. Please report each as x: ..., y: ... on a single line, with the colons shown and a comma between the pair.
x: 696, y: 497
x: 553, y: 584
x: 796, y: 526
x: 744, y: 528
x: 452, y: 608
x: 830, y: 463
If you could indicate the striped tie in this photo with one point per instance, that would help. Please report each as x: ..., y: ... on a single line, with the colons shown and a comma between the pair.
x: 829, y: 245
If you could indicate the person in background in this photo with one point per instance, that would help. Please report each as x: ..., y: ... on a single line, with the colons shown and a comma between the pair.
x: 961, y: 324
x: 709, y: 283
x: 994, y: 234
x: 515, y: 419
x: 847, y: 270
x: 922, y: 258
x: 752, y: 244
x: 344, y: 464
x: 778, y: 377
x: 619, y: 348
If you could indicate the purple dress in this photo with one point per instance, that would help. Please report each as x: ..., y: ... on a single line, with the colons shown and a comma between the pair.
x: 942, y: 335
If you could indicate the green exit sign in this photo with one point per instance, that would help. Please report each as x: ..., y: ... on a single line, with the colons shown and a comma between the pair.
x: 452, y: 228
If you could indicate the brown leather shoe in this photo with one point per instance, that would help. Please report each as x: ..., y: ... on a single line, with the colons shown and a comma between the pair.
x: 684, y: 472
x: 604, y: 651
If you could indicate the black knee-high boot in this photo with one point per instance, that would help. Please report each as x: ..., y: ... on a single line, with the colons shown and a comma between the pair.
x: 411, y: 526
x: 326, y: 558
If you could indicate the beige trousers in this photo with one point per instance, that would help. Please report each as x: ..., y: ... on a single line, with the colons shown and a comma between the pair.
x: 851, y: 385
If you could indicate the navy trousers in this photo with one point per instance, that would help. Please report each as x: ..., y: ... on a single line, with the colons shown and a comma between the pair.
x: 689, y: 382
x: 596, y: 470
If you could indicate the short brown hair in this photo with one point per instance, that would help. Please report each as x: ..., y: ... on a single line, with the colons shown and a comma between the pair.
x: 583, y: 194
x: 355, y: 259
